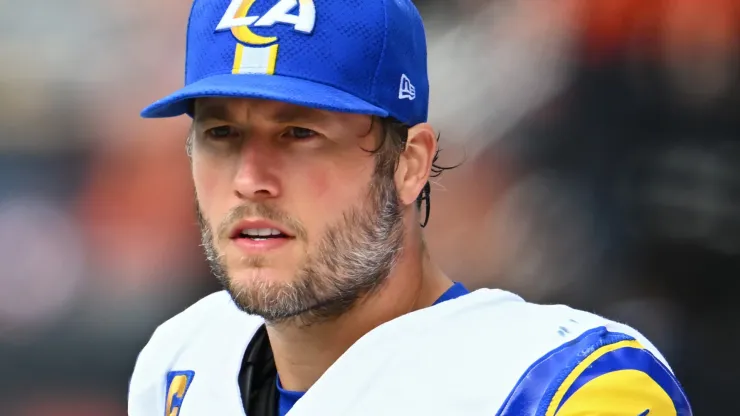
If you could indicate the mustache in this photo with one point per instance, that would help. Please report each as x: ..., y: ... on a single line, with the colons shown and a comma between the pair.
x: 240, y: 212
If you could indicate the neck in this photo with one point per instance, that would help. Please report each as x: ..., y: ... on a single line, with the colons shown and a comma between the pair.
x: 304, y: 353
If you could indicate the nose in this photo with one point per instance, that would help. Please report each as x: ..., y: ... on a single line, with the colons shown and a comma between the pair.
x: 256, y: 178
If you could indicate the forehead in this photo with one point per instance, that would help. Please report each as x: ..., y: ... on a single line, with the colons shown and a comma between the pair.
x: 245, y: 109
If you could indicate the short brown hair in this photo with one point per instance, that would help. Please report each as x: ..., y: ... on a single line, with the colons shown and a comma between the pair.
x: 394, y: 136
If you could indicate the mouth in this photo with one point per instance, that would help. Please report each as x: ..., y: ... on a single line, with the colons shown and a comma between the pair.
x: 261, y: 234
x: 260, y: 231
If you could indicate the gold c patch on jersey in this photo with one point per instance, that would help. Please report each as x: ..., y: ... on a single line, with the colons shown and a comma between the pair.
x: 178, y: 383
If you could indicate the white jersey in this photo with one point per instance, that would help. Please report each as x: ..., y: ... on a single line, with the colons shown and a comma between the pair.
x: 485, y: 353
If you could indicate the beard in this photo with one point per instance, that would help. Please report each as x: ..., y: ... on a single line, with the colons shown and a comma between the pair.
x: 352, y: 259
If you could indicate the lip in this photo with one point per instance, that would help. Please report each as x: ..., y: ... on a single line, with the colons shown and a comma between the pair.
x: 257, y: 223
x: 255, y: 247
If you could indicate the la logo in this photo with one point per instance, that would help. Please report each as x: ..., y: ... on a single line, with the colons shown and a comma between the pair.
x: 237, y: 19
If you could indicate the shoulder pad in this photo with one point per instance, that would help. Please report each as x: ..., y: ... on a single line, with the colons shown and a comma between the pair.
x: 599, y: 372
x: 185, y: 339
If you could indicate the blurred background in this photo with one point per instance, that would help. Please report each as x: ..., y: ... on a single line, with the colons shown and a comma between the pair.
x: 601, y: 150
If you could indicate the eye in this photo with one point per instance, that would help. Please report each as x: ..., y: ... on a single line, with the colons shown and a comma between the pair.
x: 300, y: 133
x: 221, y: 133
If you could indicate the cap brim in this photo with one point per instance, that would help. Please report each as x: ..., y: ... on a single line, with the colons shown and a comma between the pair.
x: 270, y: 87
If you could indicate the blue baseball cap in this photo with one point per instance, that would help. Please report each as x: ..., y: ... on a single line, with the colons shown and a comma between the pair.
x: 354, y: 56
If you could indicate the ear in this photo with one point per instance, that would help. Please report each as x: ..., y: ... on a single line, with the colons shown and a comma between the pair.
x: 415, y: 162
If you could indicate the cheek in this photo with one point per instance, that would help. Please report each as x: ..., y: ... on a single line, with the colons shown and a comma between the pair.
x: 327, y: 190
x: 332, y: 170
x: 310, y: 196
x: 319, y: 183
x: 208, y: 183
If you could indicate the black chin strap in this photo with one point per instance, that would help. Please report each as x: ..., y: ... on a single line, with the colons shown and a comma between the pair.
x: 258, y: 377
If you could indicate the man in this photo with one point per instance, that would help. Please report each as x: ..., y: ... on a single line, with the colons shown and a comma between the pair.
x: 311, y: 158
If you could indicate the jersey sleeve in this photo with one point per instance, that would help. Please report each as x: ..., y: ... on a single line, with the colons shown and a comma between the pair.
x: 153, y: 387
x: 147, y: 383
x: 599, y: 373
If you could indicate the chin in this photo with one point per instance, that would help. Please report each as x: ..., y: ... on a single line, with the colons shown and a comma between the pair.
x: 264, y: 291
x: 247, y: 276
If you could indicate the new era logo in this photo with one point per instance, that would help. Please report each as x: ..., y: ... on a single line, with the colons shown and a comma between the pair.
x: 407, y: 90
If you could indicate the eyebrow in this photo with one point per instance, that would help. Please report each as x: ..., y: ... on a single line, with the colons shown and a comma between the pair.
x: 295, y: 113
x: 284, y: 114
x: 212, y: 112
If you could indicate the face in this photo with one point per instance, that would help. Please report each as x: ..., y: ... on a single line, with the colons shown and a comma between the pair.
x: 298, y: 219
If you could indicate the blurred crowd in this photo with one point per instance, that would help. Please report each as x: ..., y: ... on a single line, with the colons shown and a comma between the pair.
x: 600, y: 143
